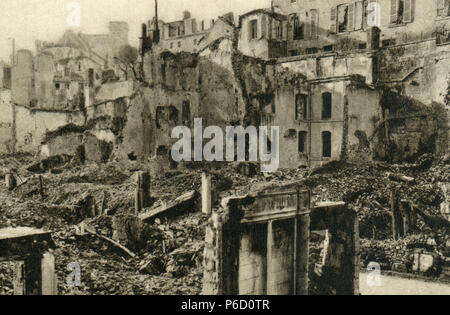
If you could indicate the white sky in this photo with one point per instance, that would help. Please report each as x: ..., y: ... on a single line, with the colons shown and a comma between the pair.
x: 29, y: 20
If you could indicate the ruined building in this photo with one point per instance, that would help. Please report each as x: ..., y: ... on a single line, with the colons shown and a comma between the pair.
x: 188, y: 35
x: 63, y: 85
x: 374, y: 77
x: 337, y: 91
x: 5, y: 108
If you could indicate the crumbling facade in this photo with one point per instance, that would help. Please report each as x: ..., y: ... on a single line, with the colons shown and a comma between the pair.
x: 67, y: 88
x: 262, y: 34
x: 184, y: 35
x: 259, y: 245
x: 342, y: 94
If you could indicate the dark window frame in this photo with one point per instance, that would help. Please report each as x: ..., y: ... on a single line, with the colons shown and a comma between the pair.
x: 326, y: 144
x: 327, y: 106
x: 302, y: 142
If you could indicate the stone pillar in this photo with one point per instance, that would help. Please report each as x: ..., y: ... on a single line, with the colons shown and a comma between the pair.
x: 19, y: 280
x: 36, y: 276
x: 302, y: 255
x: 270, y: 261
x: 48, y: 275
x: 206, y: 194
x: 280, y: 257
x: 405, y: 210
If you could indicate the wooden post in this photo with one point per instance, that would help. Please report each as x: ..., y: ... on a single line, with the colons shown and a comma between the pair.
x: 397, y: 219
x: 137, y: 196
x: 142, y: 194
x: 406, y: 216
x: 41, y: 186
x: 394, y: 217
x: 386, y: 123
x: 206, y: 194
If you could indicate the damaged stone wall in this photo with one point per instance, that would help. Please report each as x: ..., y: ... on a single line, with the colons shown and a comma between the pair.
x: 6, y: 120
x: 252, y: 249
x: 417, y: 78
x: 248, y: 251
x: 218, y: 85
x: 97, y: 138
x: 338, y: 273
x: 362, y: 116
x: 409, y: 129
x: 31, y: 125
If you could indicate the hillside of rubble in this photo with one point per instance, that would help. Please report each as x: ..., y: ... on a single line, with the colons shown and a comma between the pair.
x: 168, y: 250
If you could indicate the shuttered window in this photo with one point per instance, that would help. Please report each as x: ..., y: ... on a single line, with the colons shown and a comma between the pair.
x: 394, y: 12
x: 307, y: 25
x: 351, y: 17
x: 402, y: 11
x: 407, y: 11
x: 264, y: 26
x: 359, y: 12
x: 333, y: 17
x: 253, y: 29
x: 314, y: 23
x: 342, y: 18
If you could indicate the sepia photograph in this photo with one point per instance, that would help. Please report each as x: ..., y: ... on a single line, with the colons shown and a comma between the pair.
x: 223, y: 153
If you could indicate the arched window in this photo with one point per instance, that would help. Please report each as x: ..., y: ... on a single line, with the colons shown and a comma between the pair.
x: 326, y: 144
x: 327, y: 101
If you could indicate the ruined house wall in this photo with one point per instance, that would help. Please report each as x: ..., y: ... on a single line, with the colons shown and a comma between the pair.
x: 5, y: 106
x: 31, y: 125
x: 6, y: 120
x: 284, y: 118
x: 114, y: 90
x: 220, y: 29
x: 340, y: 267
x: 64, y: 144
x: 335, y: 125
x: 258, y: 47
x: 45, y: 88
x: 420, y: 69
x: 267, y: 42
x: 23, y: 84
x: 330, y: 65
x: 363, y: 115
x: 419, y: 74
x: 151, y: 116
x: 218, y: 86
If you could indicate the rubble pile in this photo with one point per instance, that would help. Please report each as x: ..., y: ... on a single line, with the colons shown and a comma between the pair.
x: 398, y: 255
x: 168, y: 251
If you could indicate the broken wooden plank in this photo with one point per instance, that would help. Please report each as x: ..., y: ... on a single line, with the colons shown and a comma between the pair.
x: 376, y: 204
x: 433, y: 221
x: 188, y: 197
x: 401, y: 178
x: 126, y: 250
